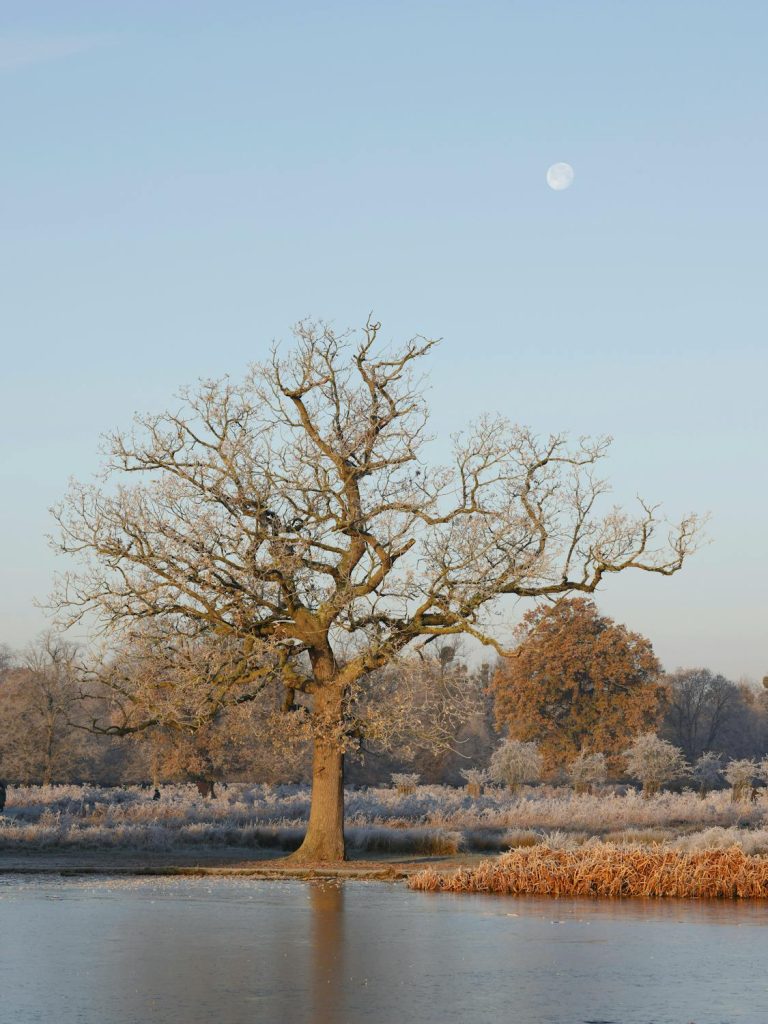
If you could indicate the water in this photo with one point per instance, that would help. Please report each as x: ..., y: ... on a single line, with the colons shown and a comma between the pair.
x: 234, y: 951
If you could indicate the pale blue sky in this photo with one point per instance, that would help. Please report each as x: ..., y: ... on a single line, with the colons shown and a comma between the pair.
x: 180, y: 182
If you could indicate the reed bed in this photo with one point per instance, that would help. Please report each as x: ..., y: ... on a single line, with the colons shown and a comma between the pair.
x: 609, y: 870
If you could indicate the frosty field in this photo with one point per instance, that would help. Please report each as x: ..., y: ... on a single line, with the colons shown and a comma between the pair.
x: 432, y: 820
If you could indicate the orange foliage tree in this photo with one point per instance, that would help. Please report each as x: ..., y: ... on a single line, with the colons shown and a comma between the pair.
x: 577, y: 681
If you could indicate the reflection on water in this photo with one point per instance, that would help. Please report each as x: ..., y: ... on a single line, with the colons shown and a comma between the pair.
x: 233, y: 951
x: 327, y: 950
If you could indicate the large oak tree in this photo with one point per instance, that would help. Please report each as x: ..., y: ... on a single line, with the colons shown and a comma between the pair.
x: 295, y: 516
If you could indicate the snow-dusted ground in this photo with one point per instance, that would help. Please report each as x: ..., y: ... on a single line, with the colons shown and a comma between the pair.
x: 433, y: 819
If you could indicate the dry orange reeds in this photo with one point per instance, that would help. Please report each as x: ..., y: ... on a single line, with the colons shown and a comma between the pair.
x: 603, y: 869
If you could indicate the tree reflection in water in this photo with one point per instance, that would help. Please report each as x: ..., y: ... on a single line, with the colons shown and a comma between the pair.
x: 326, y: 901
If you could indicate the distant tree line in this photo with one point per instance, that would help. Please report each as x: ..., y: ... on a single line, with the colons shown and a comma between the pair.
x: 577, y: 692
x: 63, y: 715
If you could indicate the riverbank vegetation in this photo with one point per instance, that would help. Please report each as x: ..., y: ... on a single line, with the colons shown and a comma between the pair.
x: 609, y: 869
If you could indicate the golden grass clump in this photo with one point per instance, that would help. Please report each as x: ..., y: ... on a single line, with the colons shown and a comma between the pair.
x: 641, y: 836
x: 516, y: 837
x: 605, y: 869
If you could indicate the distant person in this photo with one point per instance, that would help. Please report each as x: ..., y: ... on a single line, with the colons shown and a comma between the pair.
x: 156, y: 794
x: 3, y: 795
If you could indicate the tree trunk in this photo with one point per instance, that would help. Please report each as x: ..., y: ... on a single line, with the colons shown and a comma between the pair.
x: 48, y: 763
x: 324, y: 840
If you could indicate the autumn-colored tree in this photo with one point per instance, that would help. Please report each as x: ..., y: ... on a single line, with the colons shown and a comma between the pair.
x: 577, y: 681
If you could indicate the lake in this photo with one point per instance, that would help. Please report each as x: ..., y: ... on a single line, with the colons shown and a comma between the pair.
x: 235, y: 951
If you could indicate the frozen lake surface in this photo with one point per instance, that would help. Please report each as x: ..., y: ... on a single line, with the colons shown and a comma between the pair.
x: 226, y: 951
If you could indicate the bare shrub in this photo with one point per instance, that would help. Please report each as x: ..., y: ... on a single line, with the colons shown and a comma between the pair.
x: 405, y: 782
x: 654, y: 762
x: 741, y: 774
x: 586, y: 771
x: 708, y: 771
x: 515, y: 763
x: 475, y: 779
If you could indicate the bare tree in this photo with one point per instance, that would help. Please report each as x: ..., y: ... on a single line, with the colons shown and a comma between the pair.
x: 418, y: 709
x: 174, y: 693
x: 6, y: 659
x: 701, y: 705
x: 37, y: 701
x: 296, y: 517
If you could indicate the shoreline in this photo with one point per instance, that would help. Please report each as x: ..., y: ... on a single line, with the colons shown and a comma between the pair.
x: 224, y: 863
x: 436, y: 874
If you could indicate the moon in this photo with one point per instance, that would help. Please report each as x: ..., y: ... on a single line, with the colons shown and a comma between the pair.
x: 560, y: 176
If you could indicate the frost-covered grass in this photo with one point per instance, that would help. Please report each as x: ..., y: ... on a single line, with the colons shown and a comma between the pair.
x: 430, y: 820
